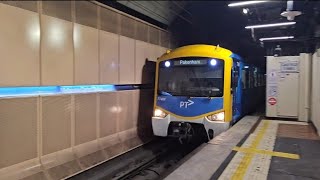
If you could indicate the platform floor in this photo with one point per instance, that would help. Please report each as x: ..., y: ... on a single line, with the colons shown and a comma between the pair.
x: 257, y: 148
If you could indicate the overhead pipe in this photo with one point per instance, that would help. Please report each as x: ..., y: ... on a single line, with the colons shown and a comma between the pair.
x: 289, y: 5
x: 177, y: 14
x: 177, y: 4
x: 147, y: 9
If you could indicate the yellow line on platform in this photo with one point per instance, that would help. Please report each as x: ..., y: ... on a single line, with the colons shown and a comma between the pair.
x: 271, y: 153
x: 246, y: 160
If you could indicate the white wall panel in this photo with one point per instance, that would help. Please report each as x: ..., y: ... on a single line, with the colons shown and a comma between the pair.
x: 66, y: 53
x: 56, y: 51
x: 127, y: 60
x: 126, y: 115
x: 152, y: 52
x: 86, y: 54
x: 18, y: 130
x: 161, y: 50
x: 304, y: 86
x: 145, y: 51
x: 282, y: 85
x: 109, y: 113
x: 56, y: 123
x: 136, y: 108
x: 155, y: 51
x: 109, y: 58
x: 140, y: 56
x: 315, y: 92
x: 19, y: 47
x: 85, y: 118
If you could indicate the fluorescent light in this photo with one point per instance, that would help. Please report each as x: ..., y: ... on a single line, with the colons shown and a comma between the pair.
x: 47, y: 90
x: 270, y: 25
x: 246, y: 67
x: 276, y: 38
x: 243, y: 3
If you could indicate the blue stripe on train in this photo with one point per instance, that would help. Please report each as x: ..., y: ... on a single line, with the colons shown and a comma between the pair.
x: 189, y: 107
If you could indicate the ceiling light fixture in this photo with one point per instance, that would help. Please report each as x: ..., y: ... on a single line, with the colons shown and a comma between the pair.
x: 245, y: 10
x: 270, y: 25
x: 243, y: 3
x: 276, y: 38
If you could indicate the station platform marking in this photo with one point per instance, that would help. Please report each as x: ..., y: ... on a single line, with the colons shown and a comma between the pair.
x: 253, y: 158
x: 270, y: 153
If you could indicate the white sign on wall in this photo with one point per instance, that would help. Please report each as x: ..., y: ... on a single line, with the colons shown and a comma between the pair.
x: 273, y: 91
x: 272, y: 79
x: 289, y: 66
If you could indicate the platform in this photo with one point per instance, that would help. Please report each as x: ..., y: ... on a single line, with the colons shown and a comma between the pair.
x: 257, y: 148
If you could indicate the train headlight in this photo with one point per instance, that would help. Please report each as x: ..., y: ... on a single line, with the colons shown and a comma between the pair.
x: 159, y: 113
x: 216, y: 117
x: 167, y: 63
x: 213, y: 62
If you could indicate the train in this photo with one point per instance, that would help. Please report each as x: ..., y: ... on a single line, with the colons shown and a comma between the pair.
x: 201, y: 90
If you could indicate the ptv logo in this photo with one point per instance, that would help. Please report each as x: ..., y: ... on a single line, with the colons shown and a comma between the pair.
x: 186, y: 104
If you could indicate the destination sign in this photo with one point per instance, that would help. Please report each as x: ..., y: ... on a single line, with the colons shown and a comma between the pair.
x: 190, y: 62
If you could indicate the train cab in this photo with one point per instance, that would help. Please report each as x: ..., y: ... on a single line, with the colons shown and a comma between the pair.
x: 198, y: 91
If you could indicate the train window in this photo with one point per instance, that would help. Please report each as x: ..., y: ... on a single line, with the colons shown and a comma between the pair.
x: 260, y: 79
x: 231, y: 82
x: 244, y: 80
x: 255, y: 78
x: 235, y: 77
x: 191, y: 80
x: 250, y: 79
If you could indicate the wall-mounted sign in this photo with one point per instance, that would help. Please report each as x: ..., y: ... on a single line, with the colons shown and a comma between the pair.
x: 272, y: 77
x: 272, y: 101
x: 273, y: 91
x: 289, y: 66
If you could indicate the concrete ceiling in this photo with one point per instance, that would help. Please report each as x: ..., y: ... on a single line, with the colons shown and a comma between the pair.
x: 164, y: 12
x: 215, y: 23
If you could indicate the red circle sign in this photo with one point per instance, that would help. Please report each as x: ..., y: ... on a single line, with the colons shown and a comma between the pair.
x: 272, y: 101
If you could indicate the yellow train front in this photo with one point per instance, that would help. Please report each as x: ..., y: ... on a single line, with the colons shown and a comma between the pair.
x: 198, y: 91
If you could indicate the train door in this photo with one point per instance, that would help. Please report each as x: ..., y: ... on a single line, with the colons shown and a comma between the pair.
x: 236, y: 91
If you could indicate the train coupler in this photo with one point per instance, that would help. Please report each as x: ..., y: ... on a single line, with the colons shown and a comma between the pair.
x: 181, y: 130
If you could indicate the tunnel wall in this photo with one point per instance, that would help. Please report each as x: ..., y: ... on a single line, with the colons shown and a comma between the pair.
x: 64, y: 43
x: 72, y: 43
x: 51, y: 137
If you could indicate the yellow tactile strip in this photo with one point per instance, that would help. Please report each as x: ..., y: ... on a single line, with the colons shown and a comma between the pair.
x: 271, y: 153
x: 252, y: 160
x: 245, y: 162
x: 212, y: 156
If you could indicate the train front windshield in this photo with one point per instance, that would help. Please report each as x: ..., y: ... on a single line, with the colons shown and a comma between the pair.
x: 200, y: 77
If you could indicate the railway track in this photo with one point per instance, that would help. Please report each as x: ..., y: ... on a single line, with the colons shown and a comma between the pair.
x: 150, y: 161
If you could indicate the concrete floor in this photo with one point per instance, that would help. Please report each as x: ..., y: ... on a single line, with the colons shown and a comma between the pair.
x: 265, y: 149
x: 304, y: 142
